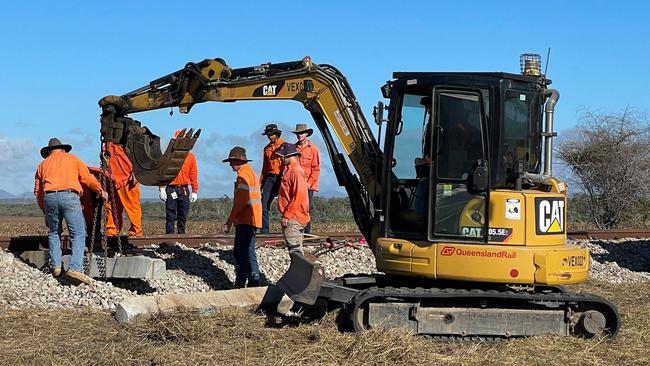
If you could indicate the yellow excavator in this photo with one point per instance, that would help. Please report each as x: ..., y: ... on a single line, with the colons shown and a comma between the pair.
x: 467, y: 226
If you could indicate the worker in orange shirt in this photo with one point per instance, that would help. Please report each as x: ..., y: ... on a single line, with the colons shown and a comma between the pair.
x: 89, y: 203
x: 293, y: 200
x: 127, y: 190
x: 310, y: 162
x: 57, y: 186
x: 271, y: 172
x: 177, y: 195
x: 246, y: 215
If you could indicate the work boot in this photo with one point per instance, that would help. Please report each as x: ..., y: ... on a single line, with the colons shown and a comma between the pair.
x: 79, y: 277
x: 56, y: 271
x: 253, y: 283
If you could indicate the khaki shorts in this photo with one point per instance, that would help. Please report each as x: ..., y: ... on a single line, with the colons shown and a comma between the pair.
x: 293, y: 235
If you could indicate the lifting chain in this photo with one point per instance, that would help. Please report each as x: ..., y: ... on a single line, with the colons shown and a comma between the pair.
x: 104, y: 182
x: 89, y: 256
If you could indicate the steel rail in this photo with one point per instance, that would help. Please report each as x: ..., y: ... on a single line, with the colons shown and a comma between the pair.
x: 37, y: 242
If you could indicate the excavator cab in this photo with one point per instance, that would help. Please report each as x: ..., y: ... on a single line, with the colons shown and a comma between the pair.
x: 452, y: 140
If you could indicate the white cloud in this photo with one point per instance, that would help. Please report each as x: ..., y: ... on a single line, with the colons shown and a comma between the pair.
x: 216, y: 177
x: 18, y: 160
x: 82, y: 140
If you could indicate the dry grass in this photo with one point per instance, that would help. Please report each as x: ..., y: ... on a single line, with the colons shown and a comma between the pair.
x: 237, y: 338
x: 50, y: 337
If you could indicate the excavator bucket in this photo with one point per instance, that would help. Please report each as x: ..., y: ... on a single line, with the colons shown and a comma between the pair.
x: 303, y: 281
x: 151, y: 166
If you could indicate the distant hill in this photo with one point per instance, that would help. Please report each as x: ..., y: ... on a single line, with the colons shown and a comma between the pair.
x: 4, y: 195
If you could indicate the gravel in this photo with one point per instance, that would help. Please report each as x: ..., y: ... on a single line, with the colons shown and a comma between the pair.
x: 619, y: 261
x: 210, y: 267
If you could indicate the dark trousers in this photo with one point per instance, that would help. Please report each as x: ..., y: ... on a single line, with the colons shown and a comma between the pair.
x: 270, y: 189
x: 176, y: 210
x: 246, y: 267
x: 310, y: 193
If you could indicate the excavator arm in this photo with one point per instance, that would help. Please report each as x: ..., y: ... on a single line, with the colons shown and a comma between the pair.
x: 322, y: 90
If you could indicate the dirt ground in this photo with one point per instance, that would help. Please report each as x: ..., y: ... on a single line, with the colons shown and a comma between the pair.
x: 39, y: 337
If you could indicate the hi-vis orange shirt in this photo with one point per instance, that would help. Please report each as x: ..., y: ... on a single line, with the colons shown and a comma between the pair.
x: 310, y: 161
x: 189, y: 173
x: 247, y: 204
x: 121, y: 166
x: 61, y: 170
x: 271, y: 163
x: 293, y: 198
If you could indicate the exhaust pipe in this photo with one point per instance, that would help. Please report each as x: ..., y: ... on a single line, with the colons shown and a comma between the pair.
x: 552, y: 96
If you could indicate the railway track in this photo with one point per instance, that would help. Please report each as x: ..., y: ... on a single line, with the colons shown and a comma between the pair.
x: 37, y: 242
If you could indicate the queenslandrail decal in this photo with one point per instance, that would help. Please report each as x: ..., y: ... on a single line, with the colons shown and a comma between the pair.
x: 449, y: 251
x: 549, y: 215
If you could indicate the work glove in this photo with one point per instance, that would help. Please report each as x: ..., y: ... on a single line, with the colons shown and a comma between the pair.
x: 194, y: 197
x: 163, y: 194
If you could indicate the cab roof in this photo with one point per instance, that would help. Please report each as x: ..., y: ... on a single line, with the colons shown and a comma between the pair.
x: 469, y: 75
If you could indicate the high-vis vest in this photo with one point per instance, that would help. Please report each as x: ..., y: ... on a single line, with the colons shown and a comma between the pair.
x: 247, y: 204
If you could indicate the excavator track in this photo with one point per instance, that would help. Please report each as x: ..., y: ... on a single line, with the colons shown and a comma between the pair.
x: 478, y: 314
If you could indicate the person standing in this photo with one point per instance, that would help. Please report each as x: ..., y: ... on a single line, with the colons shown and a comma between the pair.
x: 57, y: 186
x: 310, y: 162
x: 271, y: 173
x: 246, y: 215
x: 127, y: 190
x: 293, y: 200
x: 177, y: 195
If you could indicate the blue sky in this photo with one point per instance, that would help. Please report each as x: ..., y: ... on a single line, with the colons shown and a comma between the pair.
x: 59, y: 58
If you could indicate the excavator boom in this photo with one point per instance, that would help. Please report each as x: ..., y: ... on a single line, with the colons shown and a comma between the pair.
x: 322, y: 90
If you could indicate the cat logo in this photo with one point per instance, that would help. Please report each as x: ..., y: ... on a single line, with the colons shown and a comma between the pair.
x: 474, y: 232
x: 269, y: 90
x: 549, y: 215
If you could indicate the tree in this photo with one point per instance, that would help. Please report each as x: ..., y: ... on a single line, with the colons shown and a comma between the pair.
x: 609, y: 154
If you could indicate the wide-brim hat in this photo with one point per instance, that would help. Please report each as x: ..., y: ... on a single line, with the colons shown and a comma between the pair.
x: 301, y: 128
x: 236, y: 153
x: 54, y: 143
x: 271, y: 129
x: 287, y: 149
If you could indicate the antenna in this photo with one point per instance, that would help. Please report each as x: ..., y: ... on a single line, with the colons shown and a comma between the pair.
x: 548, y: 57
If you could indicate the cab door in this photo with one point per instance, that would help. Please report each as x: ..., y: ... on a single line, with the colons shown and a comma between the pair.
x: 459, y: 178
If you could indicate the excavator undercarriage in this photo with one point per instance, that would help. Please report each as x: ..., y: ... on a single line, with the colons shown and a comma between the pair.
x: 483, y: 313
x: 451, y: 309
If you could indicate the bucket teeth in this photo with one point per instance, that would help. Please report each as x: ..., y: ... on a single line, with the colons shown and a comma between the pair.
x: 151, y: 166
